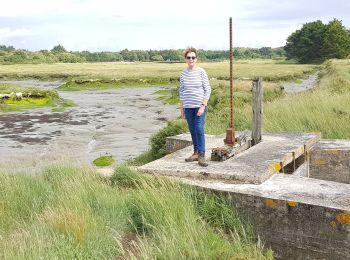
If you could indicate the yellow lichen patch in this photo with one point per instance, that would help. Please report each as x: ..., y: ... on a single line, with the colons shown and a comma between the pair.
x: 343, y: 218
x: 275, y: 167
x: 271, y: 203
x: 318, y: 162
x: 333, y: 224
x: 292, y: 203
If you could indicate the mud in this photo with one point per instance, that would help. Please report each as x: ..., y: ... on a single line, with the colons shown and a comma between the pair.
x: 33, y: 83
x: 305, y: 85
x: 114, y: 122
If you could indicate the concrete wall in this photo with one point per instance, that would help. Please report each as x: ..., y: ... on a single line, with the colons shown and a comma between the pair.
x: 298, y: 217
x: 177, y: 142
x: 330, y: 160
x: 296, y: 230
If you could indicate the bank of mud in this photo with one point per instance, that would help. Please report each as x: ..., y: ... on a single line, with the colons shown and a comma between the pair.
x: 114, y: 122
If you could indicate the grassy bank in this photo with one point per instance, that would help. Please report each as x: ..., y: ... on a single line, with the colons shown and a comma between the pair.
x: 30, y: 98
x: 326, y: 109
x: 70, y: 212
x: 141, y: 73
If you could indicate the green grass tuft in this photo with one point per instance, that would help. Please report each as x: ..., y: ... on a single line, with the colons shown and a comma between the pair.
x: 105, y: 160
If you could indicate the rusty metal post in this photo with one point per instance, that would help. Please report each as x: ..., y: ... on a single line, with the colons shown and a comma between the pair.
x: 230, y: 132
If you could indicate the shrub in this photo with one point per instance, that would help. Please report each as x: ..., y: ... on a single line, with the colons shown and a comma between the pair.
x: 157, y: 141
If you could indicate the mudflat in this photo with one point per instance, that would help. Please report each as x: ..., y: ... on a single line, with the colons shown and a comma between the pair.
x: 114, y: 122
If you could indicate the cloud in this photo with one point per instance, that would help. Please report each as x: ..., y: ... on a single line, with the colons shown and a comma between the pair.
x: 6, y: 33
x: 138, y: 24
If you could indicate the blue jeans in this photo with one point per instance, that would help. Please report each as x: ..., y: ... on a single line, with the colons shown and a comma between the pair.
x: 196, y: 126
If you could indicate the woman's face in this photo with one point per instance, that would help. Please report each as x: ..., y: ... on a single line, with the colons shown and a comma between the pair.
x: 191, y: 59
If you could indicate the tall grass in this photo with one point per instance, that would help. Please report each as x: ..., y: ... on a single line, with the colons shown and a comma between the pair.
x: 326, y: 109
x: 64, y: 213
x: 72, y: 213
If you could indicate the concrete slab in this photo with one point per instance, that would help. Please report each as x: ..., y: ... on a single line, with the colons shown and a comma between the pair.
x: 291, y: 188
x: 254, y: 165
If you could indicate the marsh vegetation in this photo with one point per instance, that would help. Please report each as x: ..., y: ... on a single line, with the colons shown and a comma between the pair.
x: 17, y: 98
x: 71, y: 212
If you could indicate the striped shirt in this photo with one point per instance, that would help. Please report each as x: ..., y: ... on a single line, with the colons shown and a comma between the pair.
x: 194, y: 87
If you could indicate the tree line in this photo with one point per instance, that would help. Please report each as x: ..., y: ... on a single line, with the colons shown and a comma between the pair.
x: 11, y: 55
x: 314, y: 42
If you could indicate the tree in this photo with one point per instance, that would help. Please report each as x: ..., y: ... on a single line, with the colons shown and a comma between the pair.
x: 7, y: 48
x: 336, y: 42
x: 157, y: 58
x: 58, y: 48
x: 266, y: 52
x: 305, y: 45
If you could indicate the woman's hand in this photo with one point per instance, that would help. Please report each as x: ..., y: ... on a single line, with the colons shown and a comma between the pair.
x: 201, y: 110
x: 182, y: 111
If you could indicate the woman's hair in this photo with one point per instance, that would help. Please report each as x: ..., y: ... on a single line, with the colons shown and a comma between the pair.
x: 190, y: 49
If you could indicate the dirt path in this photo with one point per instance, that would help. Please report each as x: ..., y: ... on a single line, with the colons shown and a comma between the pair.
x: 306, y: 84
x: 115, y: 122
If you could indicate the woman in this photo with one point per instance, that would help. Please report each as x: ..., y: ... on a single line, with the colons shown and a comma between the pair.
x: 194, y: 95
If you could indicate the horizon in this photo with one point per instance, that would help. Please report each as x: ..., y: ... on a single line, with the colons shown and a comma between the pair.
x: 112, y: 26
x: 243, y: 47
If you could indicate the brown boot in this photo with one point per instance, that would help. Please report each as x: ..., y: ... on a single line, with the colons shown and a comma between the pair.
x: 201, y: 160
x: 192, y: 158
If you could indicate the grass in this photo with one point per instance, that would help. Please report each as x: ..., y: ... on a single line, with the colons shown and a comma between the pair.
x: 32, y: 98
x: 77, y: 85
x: 138, y: 72
x: 105, y: 160
x: 71, y: 212
x: 325, y: 109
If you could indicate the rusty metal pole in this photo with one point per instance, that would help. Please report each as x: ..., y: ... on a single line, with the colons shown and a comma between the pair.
x: 230, y: 132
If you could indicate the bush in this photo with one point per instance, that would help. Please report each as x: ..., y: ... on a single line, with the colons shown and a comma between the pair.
x: 157, y: 141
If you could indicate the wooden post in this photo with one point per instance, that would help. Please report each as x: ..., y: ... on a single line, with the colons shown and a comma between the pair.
x: 257, y: 110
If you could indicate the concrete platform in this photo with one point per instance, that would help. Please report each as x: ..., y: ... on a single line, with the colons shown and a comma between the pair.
x: 254, y: 165
x: 297, y: 216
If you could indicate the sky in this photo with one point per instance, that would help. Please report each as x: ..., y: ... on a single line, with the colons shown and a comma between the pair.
x: 114, y: 25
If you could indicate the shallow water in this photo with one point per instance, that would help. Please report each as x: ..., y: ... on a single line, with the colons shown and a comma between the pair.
x: 114, y: 122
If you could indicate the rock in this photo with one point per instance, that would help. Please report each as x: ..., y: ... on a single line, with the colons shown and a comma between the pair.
x: 19, y: 95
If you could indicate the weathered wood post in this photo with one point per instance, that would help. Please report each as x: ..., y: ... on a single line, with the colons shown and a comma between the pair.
x: 257, y: 110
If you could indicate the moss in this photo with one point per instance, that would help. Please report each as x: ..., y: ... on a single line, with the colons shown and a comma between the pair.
x: 105, y: 160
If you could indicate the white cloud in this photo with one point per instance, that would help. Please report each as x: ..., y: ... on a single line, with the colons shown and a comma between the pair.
x: 139, y: 24
x: 7, y: 32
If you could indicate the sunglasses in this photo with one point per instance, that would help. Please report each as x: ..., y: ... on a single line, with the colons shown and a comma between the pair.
x: 191, y: 57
